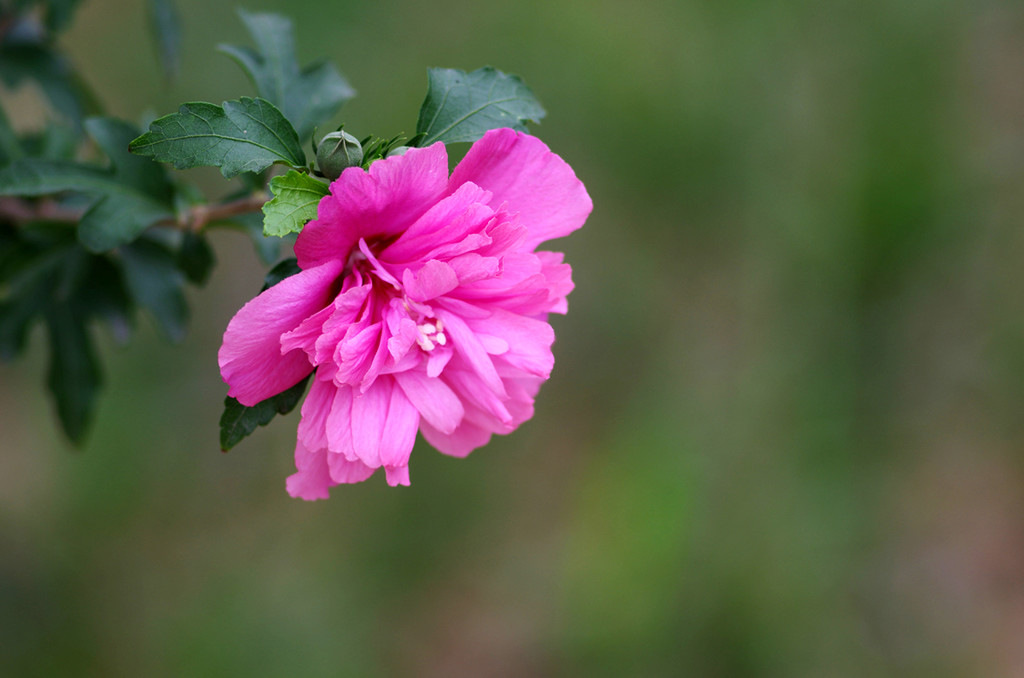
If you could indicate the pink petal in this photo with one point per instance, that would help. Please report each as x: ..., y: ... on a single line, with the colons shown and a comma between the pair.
x: 463, y: 212
x: 381, y: 202
x: 432, y: 398
x: 431, y: 281
x: 398, y: 438
x: 369, y: 414
x: 460, y: 442
x: 397, y: 475
x: 312, y: 430
x: 344, y: 471
x: 313, y: 477
x: 250, y: 357
x: 469, y: 347
x: 521, y: 170
x: 338, y: 424
x: 528, y: 340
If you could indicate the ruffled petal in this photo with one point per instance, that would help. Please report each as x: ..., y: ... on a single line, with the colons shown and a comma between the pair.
x: 379, y: 203
x: 250, y: 358
x: 521, y: 170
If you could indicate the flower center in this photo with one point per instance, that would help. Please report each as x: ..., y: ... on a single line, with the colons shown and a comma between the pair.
x: 431, y: 334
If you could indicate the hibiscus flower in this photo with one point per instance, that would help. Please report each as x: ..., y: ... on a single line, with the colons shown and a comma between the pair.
x: 421, y: 304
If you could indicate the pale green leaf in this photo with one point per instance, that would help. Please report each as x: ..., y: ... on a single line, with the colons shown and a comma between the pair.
x: 296, y: 196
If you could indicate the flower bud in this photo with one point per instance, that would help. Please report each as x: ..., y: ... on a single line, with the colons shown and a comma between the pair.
x: 337, y: 151
x: 398, y: 150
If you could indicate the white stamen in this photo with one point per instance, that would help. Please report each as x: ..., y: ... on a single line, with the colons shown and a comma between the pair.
x: 427, y: 328
x: 440, y: 338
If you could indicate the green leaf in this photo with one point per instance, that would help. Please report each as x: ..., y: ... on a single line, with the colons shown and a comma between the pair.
x: 74, y: 375
x: 463, y: 106
x: 238, y: 421
x: 195, y: 258
x: 26, y: 298
x: 102, y: 293
x: 155, y: 283
x: 119, y: 216
x: 307, y: 97
x: 246, y: 135
x: 166, y: 28
x: 296, y: 196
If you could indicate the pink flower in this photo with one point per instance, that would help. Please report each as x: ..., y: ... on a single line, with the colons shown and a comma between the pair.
x: 422, y: 304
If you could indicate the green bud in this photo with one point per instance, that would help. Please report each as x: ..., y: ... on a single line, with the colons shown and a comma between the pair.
x: 398, y: 150
x: 336, y: 152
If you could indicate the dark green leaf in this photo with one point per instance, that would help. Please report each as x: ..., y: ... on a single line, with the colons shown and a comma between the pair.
x: 166, y: 28
x: 119, y: 216
x: 20, y: 307
x: 247, y: 135
x: 296, y: 196
x: 195, y: 258
x: 74, y: 375
x: 284, y: 269
x: 102, y: 293
x: 155, y: 283
x: 238, y: 421
x: 306, y: 97
x: 463, y: 106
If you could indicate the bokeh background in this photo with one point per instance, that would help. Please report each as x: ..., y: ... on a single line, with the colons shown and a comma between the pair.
x: 785, y: 431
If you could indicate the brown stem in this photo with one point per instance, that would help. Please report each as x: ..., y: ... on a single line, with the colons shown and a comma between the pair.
x: 19, y: 211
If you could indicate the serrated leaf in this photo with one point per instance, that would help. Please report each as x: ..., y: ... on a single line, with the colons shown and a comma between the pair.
x: 238, y: 421
x: 166, y: 28
x: 463, y: 106
x: 74, y: 375
x: 307, y: 97
x: 119, y: 216
x: 296, y: 196
x: 155, y: 283
x: 245, y: 135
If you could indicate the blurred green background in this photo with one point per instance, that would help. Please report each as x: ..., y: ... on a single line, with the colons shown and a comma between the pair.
x: 783, y: 437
